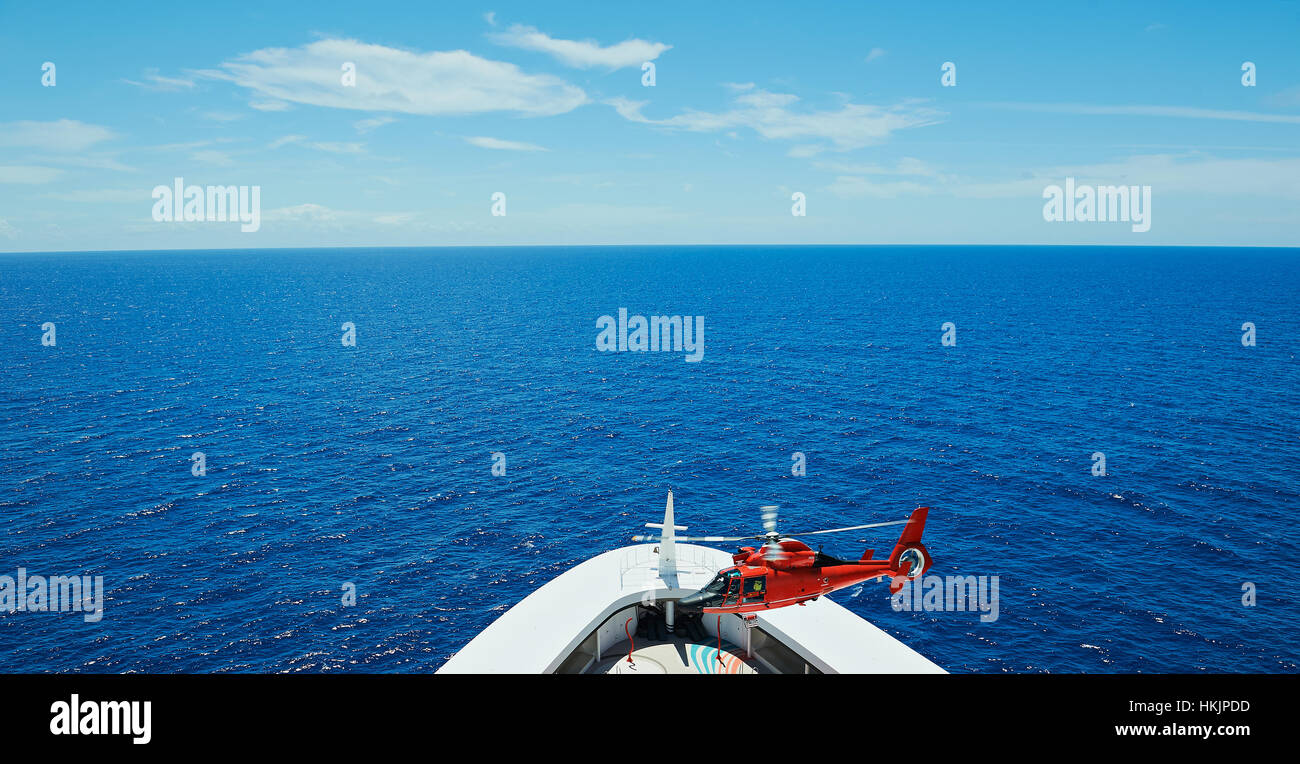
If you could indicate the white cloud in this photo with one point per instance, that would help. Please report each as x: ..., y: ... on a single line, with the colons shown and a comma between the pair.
x: 212, y: 157
x: 286, y: 140
x: 187, y: 145
x: 1166, y: 174
x: 7, y: 230
x: 1286, y: 99
x: 849, y: 185
x: 875, y: 54
x: 585, y: 215
x: 1185, y: 112
x: 496, y: 143
x: 301, y: 213
x: 270, y: 105
x: 65, y: 135
x: 393, y: 80
x: 333, y: 147
x: 904, y: 166
x: 1199, y: 175
x: 221, y: 116
x: 154, y: 81
x: 338, y: 147
x: 581, y: 54
x: 98, y: 161
x: 319, y: 216
x: 491, y: 18
x: 771, y: 115
x: 101, y: 196
x: 28, y: 174
x: 366, y: 125
x: 628, y: 109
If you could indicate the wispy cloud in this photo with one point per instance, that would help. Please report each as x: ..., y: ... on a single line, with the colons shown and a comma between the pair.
x: 286, y: 140
x: 312, y: 213
x: 64, y: 135
x: 1288, y: 98
x: 366, y: 125
x: 221, y: 116
x: 1166, y: 174
x: 907, y: 177
x: 338, y: 147
x: 394, y: 80
x: 187, y: 145
x: 28, y: 174
x: 101, y: 196
x: 496, y: 143
x: 851, y: 185
x: 773, y: 116
x: 1197, y: 174
x: 581, y: 54
x: 212, y: 157
x: 332, y: 147
x: 270, y: 105
x: 95, y: 161
x: 1184, y: 112
x: 319, y: 216
x: 875, y: 54
x: 155, y: 81
x: 907, y: 166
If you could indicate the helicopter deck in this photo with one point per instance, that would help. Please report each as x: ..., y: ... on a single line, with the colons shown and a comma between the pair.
x: 676, y: 656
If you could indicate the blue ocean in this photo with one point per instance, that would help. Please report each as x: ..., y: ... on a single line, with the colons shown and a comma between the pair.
x: 330, y: 465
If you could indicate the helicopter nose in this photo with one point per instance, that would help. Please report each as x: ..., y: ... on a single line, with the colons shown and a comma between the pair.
x: 692, y: 601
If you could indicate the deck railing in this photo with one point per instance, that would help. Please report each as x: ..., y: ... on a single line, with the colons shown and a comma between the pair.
x: 690, y: 559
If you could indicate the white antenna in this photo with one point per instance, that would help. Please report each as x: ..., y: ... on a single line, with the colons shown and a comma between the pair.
x: 667, y: 551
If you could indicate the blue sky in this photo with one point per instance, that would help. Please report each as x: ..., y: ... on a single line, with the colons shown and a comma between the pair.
x: 545, y: 103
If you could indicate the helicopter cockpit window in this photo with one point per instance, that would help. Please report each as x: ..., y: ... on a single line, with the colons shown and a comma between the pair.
x: 755, y: 587
x: 733, y: 583
x: 718, y: 585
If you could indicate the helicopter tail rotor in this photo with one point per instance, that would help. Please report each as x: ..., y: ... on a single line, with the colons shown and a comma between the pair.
x: 910, y: 558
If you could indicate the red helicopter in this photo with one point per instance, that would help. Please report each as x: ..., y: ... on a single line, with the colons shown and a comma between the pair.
x: 784, y: 571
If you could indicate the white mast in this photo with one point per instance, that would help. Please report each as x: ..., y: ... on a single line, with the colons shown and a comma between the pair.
x: 667, y: 550
x: 668, y: 554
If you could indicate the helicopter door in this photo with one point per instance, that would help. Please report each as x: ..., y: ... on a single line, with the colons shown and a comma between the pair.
x: 755, y: 588
x: 734, y: 586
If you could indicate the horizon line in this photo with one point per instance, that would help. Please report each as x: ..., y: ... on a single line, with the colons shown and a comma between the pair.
x: 617, y: 246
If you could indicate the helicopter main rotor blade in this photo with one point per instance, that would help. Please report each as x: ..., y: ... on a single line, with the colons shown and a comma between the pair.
x: 771, y: 550
x: 850, y: 528
x: 697, y: 538
x: 765, y: 537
